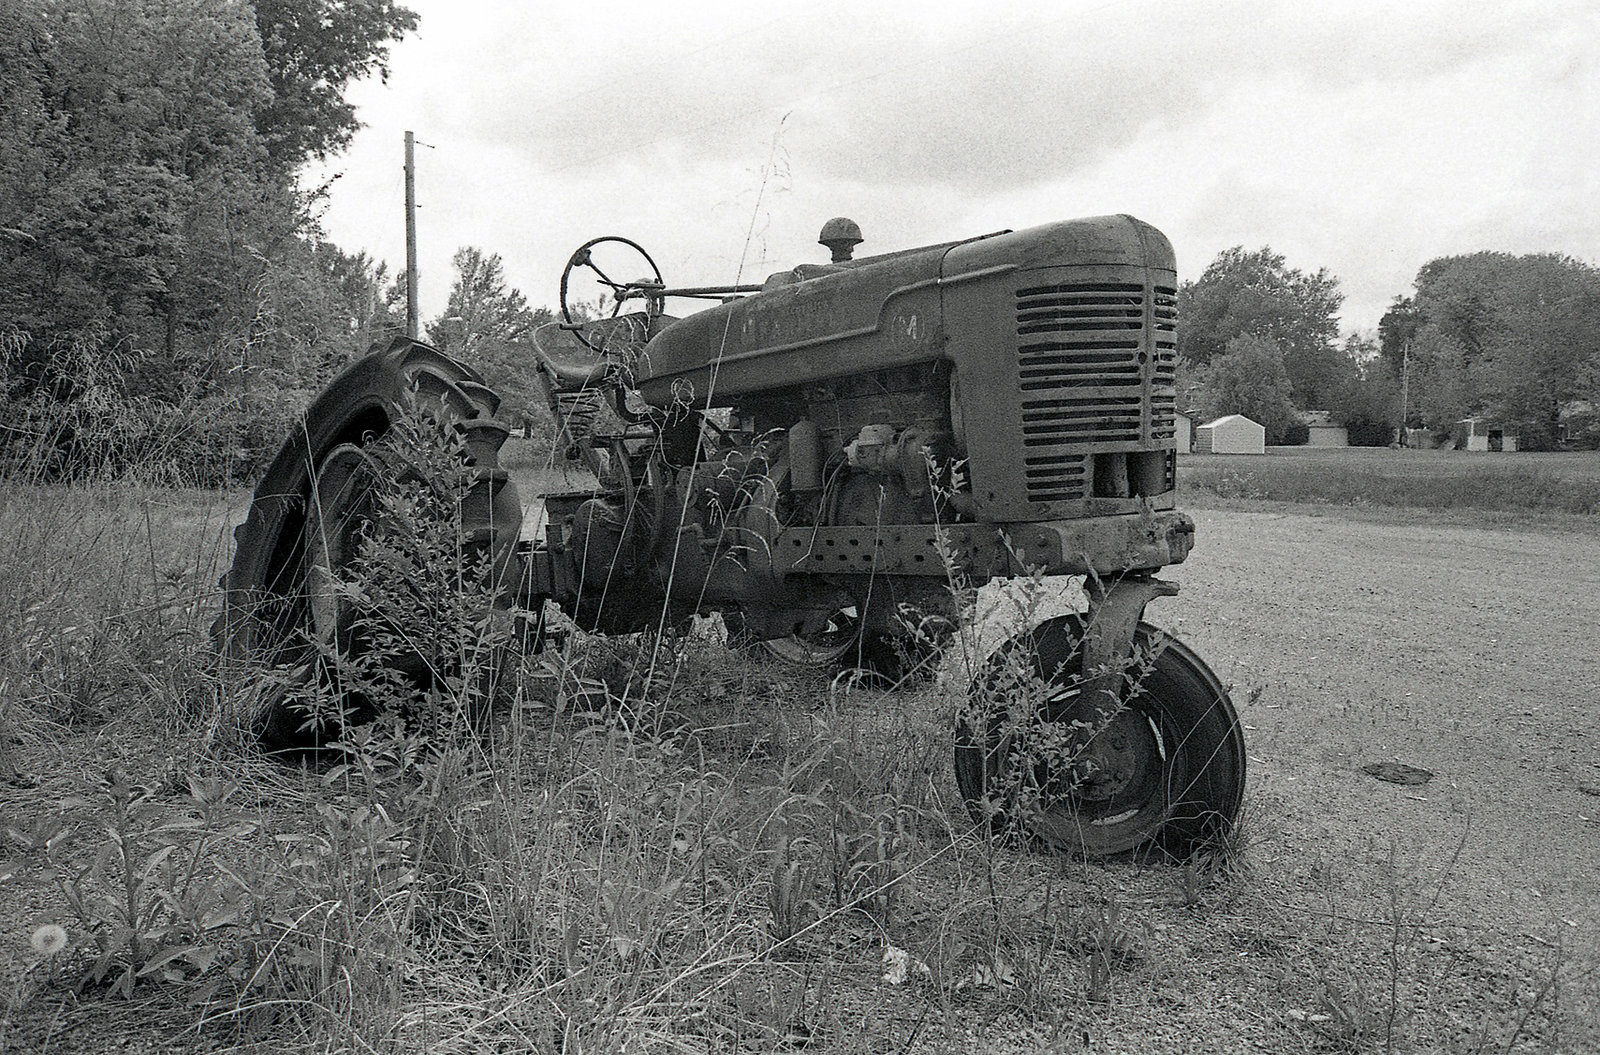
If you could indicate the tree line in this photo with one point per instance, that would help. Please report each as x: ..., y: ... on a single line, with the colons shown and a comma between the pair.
x: 1515, y: 339
x: 166, y: 299
x: 168, y: 304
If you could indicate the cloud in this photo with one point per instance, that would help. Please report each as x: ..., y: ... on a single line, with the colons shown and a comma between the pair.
x: 973, y: 98
x: 1345, y: 136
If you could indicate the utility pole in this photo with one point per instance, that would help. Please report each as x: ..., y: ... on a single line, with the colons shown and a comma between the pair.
x: 1405, y: 389
x: 411, y: 237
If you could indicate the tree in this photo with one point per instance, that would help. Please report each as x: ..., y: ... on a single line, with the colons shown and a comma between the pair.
x: 163, y: 291
x: 314, y: 49
x: 1367, y: 403
x: 1249, y: 378
x: 136, y: 144
x: 1254, y: 292
x: 1548, y: 310
x: 368, y: 302
x: 1502, y: 335
x: 482, y: 307
x: 320, y: 308
x: 1397, y: 329
x: 487, y: 322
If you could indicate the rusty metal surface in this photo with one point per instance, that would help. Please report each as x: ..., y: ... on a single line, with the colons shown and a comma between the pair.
x: 1019, y: 383
x: 1062, y: 340
x: 1115, y: 609
x: 1106, y: 546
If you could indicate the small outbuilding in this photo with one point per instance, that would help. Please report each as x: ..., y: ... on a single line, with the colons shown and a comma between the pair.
x: 1577, y: 423
x: 1184, y: 433
x: 1231, y: 434
x: 1322, y: 431
x: 1484, y: 434
x: 1422, y: 439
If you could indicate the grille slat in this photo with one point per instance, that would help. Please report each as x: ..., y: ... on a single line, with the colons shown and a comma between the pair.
x: 1119, y: 424
x: 1085, y: 288
x: 1067, y: 377
x: 1054, y: 477
x: 1084, y: 351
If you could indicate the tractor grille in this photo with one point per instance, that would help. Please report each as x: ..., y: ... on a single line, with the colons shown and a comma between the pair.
x: 1091, y: 419
x: 1085, y: 373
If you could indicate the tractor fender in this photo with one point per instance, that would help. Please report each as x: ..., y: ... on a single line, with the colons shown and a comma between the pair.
x: 357, y: 405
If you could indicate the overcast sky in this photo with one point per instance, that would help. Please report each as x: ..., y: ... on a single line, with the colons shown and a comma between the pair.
x: 1364, y: 138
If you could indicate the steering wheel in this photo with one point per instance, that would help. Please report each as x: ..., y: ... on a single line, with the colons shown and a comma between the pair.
x: 609, y: 262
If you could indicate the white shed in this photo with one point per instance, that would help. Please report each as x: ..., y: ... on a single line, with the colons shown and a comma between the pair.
x: 1323, y: 431
x: 1184, y: 433
x: 1483, y: 434
x: 1231, y: 434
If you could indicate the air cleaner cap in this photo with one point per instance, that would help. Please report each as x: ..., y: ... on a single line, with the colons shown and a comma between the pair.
x: 840, y: 235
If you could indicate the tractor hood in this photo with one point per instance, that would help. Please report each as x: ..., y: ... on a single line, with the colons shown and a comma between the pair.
x: 832, y: 320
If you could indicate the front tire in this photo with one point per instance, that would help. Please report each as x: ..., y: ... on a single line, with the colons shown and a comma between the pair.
x: 1167, y: 767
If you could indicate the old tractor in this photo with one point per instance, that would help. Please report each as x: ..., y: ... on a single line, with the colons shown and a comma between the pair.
x: 819, y: 458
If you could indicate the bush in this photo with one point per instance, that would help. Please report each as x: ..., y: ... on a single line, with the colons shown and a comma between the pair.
x: 1290, y: 433
x: 1369, y: 434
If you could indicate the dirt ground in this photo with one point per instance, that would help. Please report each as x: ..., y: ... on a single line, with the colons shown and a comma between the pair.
x: 1469, y: 652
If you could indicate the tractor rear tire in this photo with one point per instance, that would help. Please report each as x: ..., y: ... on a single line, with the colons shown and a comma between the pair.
x: 268, y: 620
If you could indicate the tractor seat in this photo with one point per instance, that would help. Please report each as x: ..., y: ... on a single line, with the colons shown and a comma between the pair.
x: 572, y: 365
x: 569, y: 365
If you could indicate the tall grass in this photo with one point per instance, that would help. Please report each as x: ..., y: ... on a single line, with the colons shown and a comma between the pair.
x: 106, y: 590
x: 604, y: 868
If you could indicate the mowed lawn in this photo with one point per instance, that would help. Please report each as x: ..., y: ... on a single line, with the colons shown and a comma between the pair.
x: 1566, y: 483
x: 1411, y: 463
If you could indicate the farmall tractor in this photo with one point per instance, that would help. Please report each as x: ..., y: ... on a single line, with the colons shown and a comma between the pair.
x: 819, y: 458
